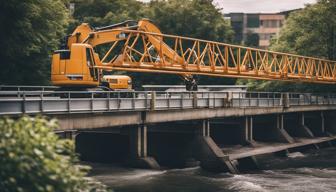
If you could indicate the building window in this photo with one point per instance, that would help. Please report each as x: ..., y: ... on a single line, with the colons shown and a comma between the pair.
x: 253, y: 21
x: 266, y: 36
x: 271, y: 23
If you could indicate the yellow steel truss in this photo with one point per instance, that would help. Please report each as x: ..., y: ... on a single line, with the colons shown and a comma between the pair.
x: 152, y: 52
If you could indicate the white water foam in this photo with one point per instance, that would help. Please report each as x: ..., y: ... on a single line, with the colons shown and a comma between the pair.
x: 140, y: 174
x: 129, y: 176
x: 247, y: 186
x: 295, y: 155
x: 185, y: 169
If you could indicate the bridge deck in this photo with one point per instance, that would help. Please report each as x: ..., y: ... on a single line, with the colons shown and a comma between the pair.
x: 53, y: 102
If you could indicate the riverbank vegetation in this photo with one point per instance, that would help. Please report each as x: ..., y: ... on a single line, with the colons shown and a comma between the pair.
x: 34, y: 158
x: 33, y: 29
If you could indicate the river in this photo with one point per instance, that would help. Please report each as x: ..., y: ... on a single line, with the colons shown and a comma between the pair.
x: 313, y: 171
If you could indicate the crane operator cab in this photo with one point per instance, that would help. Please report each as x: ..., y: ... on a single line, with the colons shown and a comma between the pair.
x: 77, y: 68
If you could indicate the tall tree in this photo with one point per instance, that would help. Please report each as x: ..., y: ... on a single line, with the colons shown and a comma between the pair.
x: 106, y: 12
x: 311, y: 32
x: 192, y: 18
x: 30, y: 30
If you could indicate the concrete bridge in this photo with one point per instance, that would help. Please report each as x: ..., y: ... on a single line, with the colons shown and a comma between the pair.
x: 224, y: 131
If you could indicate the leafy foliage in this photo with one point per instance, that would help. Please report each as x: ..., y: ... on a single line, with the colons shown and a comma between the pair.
x: 192, y: 18
x: 106, y: 12
x: 33, y: 158
x: 30, y: 30
x: 252, y: 40
x: 33, y: 29
x: 311, y: 32
x: 284, y: 86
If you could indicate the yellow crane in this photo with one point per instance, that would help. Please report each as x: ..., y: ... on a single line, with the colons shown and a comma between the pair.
x: 141, y: 47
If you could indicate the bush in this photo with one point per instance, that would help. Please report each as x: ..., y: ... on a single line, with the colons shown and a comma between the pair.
x: 33, y: 158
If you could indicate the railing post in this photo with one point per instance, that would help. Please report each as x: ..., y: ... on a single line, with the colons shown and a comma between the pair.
x: 24, y: 103
x: 108, y: 101
x: 214, y: 100
x: 69, y: 102
x: 250, y: 100
x: 146, y: 100
x: 181, y: 100
x: 226, y: 99
x: 194, y: 97
x: 153, y: 101
x: 208, y: 99
x: 168, y: 100
x: 273, y: 99
x: 91, y: 101
x: 119, y: 100
x: 328, y: 99
x: 133, y: 100
x: 285, y: 100
x: 41, y: 102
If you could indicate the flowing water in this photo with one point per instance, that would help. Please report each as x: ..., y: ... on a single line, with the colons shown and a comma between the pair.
x: 314, y: 171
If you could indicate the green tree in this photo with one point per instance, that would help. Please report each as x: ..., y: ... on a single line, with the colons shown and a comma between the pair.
x: 252, y: 39
x: 33, y: 158
x: 30, y: 30
x: 192, y: 18
x: 311, y: 32
x: 106, y: 12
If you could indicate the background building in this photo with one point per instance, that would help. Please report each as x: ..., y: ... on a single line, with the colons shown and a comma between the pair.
x: 256, y: 29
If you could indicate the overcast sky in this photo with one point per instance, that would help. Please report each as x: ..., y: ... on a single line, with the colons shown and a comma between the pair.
x: 256, y: 6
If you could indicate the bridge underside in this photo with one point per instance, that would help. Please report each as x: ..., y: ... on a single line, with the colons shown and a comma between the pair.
x: 234, y: 140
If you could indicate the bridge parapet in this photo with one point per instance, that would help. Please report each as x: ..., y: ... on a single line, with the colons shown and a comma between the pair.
x: 56, y: 102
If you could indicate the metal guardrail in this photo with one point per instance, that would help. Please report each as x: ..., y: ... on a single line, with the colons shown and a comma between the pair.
x: 50, y: 102
x: 26, y: 88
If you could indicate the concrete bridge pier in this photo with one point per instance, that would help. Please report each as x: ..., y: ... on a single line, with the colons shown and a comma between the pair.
x: 138, y: 153
x: 280, y: 128
x: 232, y: 131
x: 270, y: 129
x: 208, y: 153
x: 330, y: 122
x: 316, y: 123
x: 295, y: 125
x: 247, y: 126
